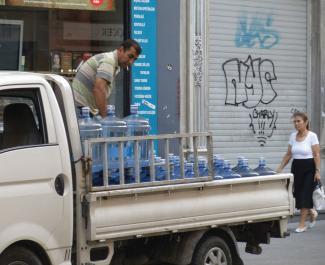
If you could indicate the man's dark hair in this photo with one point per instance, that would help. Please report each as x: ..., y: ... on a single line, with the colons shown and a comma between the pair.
x: 127, y: 44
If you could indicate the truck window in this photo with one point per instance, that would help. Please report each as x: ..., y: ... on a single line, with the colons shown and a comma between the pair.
x: 20, y: 119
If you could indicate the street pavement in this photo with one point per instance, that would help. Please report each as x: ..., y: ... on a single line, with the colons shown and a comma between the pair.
x: 306, y: 248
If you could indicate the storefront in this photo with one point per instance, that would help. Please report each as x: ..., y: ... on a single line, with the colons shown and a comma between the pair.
x: 57, y: 36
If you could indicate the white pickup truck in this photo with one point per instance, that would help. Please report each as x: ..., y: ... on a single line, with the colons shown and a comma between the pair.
x: 52, y: 215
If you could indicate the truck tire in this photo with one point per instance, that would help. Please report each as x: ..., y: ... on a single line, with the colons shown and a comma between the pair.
x: 212, y: 250
x: 19, y: 256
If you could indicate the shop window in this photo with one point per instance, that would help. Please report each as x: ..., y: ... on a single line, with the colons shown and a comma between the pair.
x: 57, y: 40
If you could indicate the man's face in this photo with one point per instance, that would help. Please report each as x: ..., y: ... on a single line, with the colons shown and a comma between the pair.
x: 126, y: 57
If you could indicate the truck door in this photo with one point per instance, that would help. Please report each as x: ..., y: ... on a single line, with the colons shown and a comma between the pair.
x: 35, y: 173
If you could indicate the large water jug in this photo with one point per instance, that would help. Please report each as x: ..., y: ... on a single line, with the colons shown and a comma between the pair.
x: 177, y: 167
x: 113, y: 127
x: 189, y: 170
x: 137, y: 126
x: 246, y: 171
x: 92, y: 129
x: 218, y: 164
x: 172, y: 165
x: 160, y: 168
x: 202, y: 166
x: 240, y: 162
x: 262, y: 169
x: 227, y: 172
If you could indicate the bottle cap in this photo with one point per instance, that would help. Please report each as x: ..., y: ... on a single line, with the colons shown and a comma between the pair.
x: 134, y: 108
x: 110, y: 109
x: 85, y: 112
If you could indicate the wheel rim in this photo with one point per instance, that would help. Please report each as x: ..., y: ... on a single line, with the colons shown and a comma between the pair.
x: 215, y: 256
x: 18, y: 263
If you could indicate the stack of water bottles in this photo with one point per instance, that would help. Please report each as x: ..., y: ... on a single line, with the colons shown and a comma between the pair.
x: 223, y: 168
x: 111, y: 126
x: 134, y: 125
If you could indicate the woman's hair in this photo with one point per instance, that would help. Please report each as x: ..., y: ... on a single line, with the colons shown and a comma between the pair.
x: 303, y: 116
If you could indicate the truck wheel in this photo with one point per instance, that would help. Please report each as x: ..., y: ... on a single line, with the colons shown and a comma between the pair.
x: 19, y: 256
x: 212, y: 251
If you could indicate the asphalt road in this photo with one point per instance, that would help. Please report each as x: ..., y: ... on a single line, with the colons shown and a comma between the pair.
x: 306, y: 248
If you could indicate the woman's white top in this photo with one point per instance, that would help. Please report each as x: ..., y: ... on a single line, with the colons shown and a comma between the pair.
x: 302, y: 150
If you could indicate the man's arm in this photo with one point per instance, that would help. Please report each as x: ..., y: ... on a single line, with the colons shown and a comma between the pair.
x: 100, y: 95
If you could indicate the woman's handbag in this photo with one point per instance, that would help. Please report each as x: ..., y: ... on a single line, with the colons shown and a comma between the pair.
x: 318, y: 196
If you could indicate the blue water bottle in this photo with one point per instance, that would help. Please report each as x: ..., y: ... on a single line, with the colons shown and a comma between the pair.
x: 227, y: 172
x: 246, y: 171
x: 137, y: 126
x: 160, y: 168
x: 113, y: 127
x: 218, y: 166
x: 92, y: 129
x: 177, y: 167
x: 172, y: 166
x: 189, y: 170
x: 262, y: 169
x: 240, y: 162
x: 203, y: 169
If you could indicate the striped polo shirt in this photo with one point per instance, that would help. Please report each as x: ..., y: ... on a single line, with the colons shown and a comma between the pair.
x: 103, y: 65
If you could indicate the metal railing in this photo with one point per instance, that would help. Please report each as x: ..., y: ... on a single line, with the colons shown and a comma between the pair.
x: 184, y: 140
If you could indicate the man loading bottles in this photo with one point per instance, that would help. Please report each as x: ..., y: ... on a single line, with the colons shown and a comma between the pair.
x: 95, y: 78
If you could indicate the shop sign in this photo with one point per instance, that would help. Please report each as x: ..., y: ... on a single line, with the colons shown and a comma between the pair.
x: 87, y: 31
x: 144, y: 70
x: 100, y: 5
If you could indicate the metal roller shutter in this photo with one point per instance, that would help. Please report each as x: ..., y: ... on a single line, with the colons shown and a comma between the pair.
x: 257, y: 75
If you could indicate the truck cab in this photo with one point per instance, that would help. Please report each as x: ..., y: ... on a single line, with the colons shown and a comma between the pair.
x: 35, y: 172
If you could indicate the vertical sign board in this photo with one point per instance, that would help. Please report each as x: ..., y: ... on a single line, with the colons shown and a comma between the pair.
x: 144, y: 70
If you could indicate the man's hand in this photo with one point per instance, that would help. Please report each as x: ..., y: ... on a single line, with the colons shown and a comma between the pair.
x: 100, y: 95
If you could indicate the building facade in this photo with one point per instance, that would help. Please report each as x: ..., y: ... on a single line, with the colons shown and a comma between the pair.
x: 250, y: 66
x: 238, y: 69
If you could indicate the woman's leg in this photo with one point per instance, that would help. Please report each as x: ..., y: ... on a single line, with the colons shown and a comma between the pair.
x: 313, y: 216
x: 303, y: 215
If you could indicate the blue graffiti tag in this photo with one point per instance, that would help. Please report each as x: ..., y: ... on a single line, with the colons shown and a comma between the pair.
x: 256, y: 32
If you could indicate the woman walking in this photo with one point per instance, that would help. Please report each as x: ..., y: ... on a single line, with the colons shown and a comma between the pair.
x: 304, y: 149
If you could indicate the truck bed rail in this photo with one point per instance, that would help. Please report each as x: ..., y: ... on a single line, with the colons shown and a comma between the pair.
x: 184, y: 140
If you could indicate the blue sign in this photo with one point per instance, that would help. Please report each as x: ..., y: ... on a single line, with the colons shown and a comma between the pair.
x: 144, y: 70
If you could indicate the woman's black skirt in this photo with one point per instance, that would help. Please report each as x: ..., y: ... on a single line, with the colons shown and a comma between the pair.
x: 303, y: 187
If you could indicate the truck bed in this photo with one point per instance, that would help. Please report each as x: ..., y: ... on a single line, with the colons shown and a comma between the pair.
x: 145, y: 209
x: 174, y: 208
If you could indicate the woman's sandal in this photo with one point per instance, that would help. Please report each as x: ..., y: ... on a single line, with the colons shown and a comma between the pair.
x: 301, y: 230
